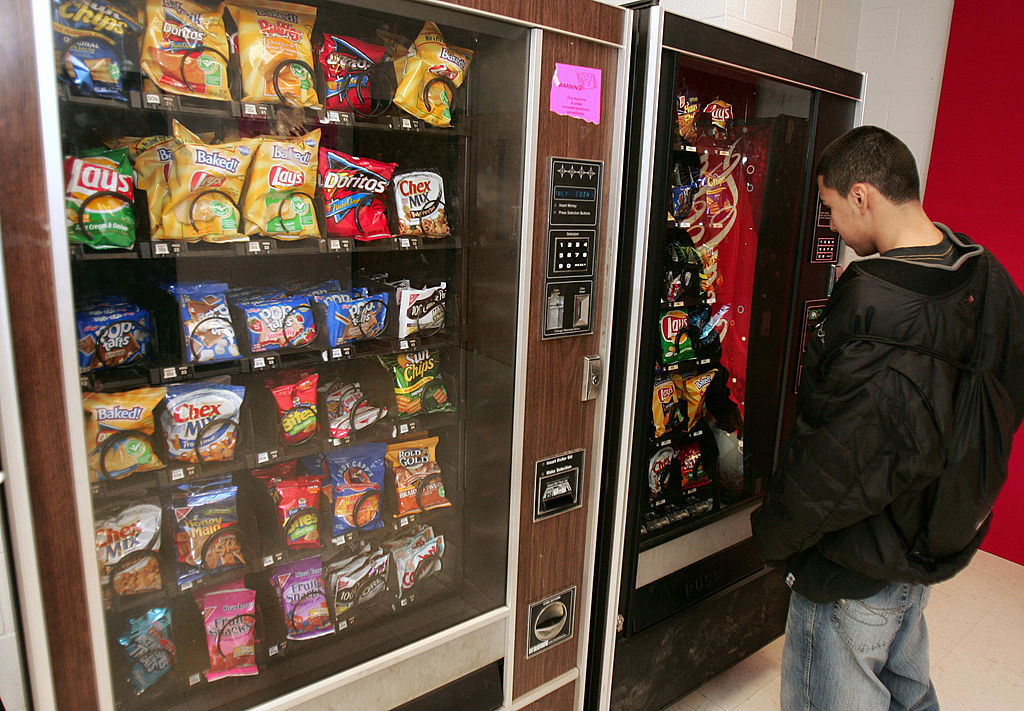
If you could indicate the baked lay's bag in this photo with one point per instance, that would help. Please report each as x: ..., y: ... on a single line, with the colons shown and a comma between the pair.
x: 185, y: 48
x: 90, y: 39
x: 691, y: 390
x: 279, y: 199
x: 98, y: 199
x: 118, y: 432
x: 276, y: 53
x: 151, y: 171
x: 431, y: 75
x: 205, y: 185
x: 354, y: 195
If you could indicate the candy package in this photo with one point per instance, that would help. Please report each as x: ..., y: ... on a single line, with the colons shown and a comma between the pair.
x: 419, y: 197
x: 98, y: 199
x: 300, y: 587
x: 353, y: 190
x: 148, y: 648
x: 419, y: 388
x: 421, y: 310
x: 296, y: 400
x: 430, y: 76
x: 276, y: 322
x: 348, y: 68
x: 417, y: 554
x: 229, y: 616
x: 298, y: 509
x: 206, y: 321
x: 118, y: 432
x: 207, y: 535
x: 200, y: 421
x: 282, y: 181
x: 418, y: 481
x: 348, y: 410
x: 128, y: 547
x: 275, y: 52
x: 111, y: 335
x: 355, y: 479
x: 90, y: 38
x: 352, y: 318
x: 356, y: 581
x: 185, y: 48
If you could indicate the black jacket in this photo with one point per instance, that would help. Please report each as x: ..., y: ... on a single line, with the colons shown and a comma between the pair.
x: 873, y: 419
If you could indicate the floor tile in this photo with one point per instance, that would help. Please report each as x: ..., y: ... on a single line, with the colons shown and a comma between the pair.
x: 950, y: 618
x: 739, y: 683
x: 694, y: 702
x: 970, y: 682
x: 768, y: 698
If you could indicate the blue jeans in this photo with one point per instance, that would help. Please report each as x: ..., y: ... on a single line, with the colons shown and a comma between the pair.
x: 859, y: 655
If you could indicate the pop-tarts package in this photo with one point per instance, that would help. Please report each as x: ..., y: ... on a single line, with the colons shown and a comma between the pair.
x: 354, y: 484
x: 353, y: 318
x: 278, y: 322
x: 208, y: 332
x: 111, y: 335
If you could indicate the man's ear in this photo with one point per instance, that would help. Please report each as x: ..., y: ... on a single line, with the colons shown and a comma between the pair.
x: 859, y: 195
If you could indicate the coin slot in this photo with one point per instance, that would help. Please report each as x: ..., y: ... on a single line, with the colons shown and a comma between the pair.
x: 550, y: 621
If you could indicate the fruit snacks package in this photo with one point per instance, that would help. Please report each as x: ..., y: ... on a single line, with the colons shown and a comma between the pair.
x: 111, y: 335
x: 348, y: 410
x: 429, y: 78
x: 691, y: 390
x: 353, y: 190
x: 356, y: 581
x: 275, y: 52
x: 298, y: 510
x: 148, y: 649
x: 229, y: 617
x: 151, y: 170
x: 418, y: 480
x: 128, y: 547
x: 348, y: 68
x: 205, y: 185
x: 185, y: 48
x: 355, y: 479
x: 278, y: 322
x: 421, y: 310
x: 90, y: 38
x: 417, y: 554
x: 207, y: 535
x: 200, y: 421
x: 296, y: 407
x: 98, y: 199
x: 300, y: 587
x: 419, y: 388
x: 206, y: 322
x: 352, y: 318
x: 665, y: 407
x: 675, y: 338
x: 279, y: 200
x: 419, y: 197
x: 118, y: 432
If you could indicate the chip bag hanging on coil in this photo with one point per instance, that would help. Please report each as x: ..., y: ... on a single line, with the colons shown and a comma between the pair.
x: 275, y: 52
x: 427, y: 86
x: 118, y: 432
x: 353, y: 190
x: 185, y: 48
x: 279, y: 201
x: 419, y: 387
x: 151, y: 170
x: 98, y: 199
x: 148, y: 649
x: 347, y: 63
x: 90, y: 40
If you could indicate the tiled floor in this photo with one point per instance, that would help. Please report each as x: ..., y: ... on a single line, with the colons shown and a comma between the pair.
x: 976, y: 625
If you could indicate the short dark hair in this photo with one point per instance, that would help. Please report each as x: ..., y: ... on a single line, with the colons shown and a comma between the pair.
x: 869, y: 154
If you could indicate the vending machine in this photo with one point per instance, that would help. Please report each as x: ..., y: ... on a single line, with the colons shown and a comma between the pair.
x: 309, y: 316
x: 724, y: 257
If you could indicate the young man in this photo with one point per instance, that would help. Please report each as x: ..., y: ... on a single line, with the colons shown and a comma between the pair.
x: 856, y: 511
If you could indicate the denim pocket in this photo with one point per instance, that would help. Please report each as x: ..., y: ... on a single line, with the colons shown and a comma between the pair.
x: 863, y: 627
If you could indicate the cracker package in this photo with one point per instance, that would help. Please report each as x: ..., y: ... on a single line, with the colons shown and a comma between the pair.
x: 185, y: 48
x: 431, y: 75
x: 207, y: 535
x: 421, y: 311
x: 282, y: 181
x: 98, y: 199
x: 90, y: 40
x: 118, y: 432
x: 275, y: 52
x: 417, y: 476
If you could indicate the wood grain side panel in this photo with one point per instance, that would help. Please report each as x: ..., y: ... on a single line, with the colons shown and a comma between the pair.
x: 583, y: 17
x: 31, y: 296
x: 559, y: 700
x: 551, y: 551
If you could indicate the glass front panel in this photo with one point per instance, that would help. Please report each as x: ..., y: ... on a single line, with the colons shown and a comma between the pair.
x: 723, y: 271
x: 293, y: 233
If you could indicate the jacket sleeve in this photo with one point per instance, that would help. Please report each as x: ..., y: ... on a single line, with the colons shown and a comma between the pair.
x: 841, y: 462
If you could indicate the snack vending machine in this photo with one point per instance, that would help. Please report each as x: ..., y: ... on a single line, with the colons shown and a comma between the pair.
x: 290, y: 375
x: 724, y: 256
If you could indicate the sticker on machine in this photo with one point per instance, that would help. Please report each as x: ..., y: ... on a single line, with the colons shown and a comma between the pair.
x: 576, y: 92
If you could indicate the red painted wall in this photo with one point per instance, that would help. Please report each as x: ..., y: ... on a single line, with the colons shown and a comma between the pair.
x: 976, y: 178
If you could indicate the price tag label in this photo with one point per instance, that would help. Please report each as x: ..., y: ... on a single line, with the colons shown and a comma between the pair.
x: 268, y: 560
x: 254, y: 247
x: 187, y: 586
x: 263, y: 457
x: 177, y: 474
x: 258, y: 363
x: 194, y: 679
x: 333, y: 117
x: 273, y: 650
x: 161, y: 249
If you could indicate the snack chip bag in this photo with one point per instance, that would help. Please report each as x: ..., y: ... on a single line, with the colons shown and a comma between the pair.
x: 298, y: 509
x: 278, y: 322
x: 419, y: 197
x: 356, y: 581
x: 151, y: 170
x: 421, y: 310
x: 300, y: 587
x: 200, y: 421
x: 417, y: 476
x: 275, y: 52
x: 90, y: 40
x: 417, y: 555
x: 691, y: 389
x: 185, y: 48
x: 348, y: 410
x: 279, y: 201
x: 419, y: 387
x: 118, y: 432
x: 353, y: 191
x: 348, y: 63
x: 229, y: 617
x: 427, y: 86
x: 296, y: 408
x: 355, y: 479
x: 205, y: 185
x: 665, y: 406
x: 206, y: 322
x: 127, y: 548
x: 675, y: 338
x: 207, y: 535
x: 112, y: 335
x: 691, y: 465
x: 98, y: 199
x: 687, y: 108
x: 148, y: 648
x: 659, y: 473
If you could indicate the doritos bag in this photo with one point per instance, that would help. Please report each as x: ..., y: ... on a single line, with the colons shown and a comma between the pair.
x: 347, y: 63
x: 185, y: 48
x: 98, y: 199
x: 90, y: 38
x: 427, y: 87
x: 354, y: 195
x: 279, y: 199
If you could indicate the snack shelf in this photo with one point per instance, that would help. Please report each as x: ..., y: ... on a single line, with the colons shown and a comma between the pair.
x: 684, y: 365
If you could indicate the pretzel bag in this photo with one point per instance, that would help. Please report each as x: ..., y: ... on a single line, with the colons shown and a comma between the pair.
x: 118, y: 432
x: 282, y: 181
x: 417, y: 476
x: 356, y: 478
x: 185, y: 48
x: 275, y: 52
x: 98, y: 199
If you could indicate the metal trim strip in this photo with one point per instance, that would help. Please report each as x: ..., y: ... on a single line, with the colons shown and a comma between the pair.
x: 544, y: 689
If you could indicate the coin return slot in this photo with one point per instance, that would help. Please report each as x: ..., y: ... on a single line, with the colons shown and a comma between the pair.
x: 551, y: 620
x: 557, y: 495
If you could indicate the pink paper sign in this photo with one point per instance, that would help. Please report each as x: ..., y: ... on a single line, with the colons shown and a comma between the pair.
x: 576, y: 92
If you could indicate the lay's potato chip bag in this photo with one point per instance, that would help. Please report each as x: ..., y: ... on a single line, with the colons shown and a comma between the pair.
x: 282, y: 181
x: 118, y: 432
x: 151, y: 169
x: 276, y: 52
x: 185, y: 48
x: 98, y: 199
x: 205, y: 186
x: 431, y: 75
